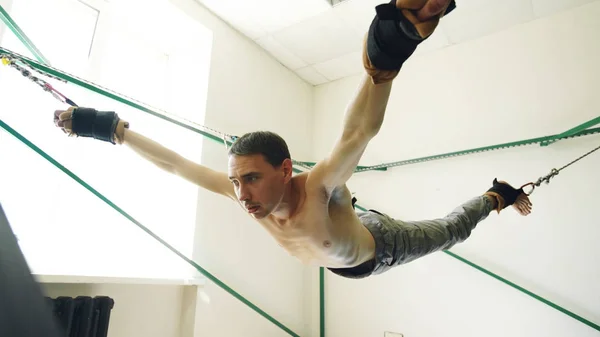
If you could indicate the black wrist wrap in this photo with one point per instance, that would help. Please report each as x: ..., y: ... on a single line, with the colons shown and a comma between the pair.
x: 508, y: 193
x: 101, y: 125
x: 392, y: 38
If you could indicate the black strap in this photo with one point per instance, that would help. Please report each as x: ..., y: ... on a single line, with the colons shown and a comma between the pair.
x: 389, y: 11
x: 508, y: 193
x: 101, y: 125
x: 392, y: 38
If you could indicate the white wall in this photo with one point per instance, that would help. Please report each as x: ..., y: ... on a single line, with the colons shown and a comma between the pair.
x: 532, y: 80
x: 248, y: 90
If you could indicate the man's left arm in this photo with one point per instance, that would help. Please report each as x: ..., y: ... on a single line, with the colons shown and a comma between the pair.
x: 362, y: 121
x: 387, y: 46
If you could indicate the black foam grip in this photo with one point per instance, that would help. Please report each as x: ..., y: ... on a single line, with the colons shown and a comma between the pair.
x: 508, y: 193
x: 392, y: 38
x: 101, y: 125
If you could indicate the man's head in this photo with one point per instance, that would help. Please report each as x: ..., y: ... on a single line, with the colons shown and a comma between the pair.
x: 260, y: 167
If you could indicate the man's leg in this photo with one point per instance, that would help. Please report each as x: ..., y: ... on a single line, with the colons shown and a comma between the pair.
x: 398, y: 242
x: 406, y: 241
x: 415, y: 239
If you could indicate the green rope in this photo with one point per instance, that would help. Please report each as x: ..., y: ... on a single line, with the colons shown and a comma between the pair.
x: 539, y: 140
x: 12, y: 25
x: 572, y: 131
x: 127, y: 101
x: 322, y: 300
x: 106, y: 93
x: 525, y: 291
x: 144, y: 228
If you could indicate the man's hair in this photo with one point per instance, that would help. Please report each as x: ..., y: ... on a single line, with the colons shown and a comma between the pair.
x: 269, y: 144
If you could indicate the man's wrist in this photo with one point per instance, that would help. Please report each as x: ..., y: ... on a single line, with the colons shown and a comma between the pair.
x: 492, y: 199
x: 119, y: 136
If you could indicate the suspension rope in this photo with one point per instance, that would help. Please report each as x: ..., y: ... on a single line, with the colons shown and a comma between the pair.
x: 554, y: 172
x: 42, y: 83
x: 530, y: 185
x: 26, y: 68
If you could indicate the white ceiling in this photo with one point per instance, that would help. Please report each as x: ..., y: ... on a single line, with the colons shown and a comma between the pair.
x: 323, y: 44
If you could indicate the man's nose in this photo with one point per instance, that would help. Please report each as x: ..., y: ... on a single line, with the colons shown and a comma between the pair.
x: 244, y: 194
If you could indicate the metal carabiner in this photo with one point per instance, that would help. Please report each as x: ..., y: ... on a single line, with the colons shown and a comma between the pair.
x: 546, y: 179
x: 533, y: 185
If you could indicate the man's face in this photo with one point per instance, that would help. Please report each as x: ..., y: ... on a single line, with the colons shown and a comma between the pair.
x: 258, y: 185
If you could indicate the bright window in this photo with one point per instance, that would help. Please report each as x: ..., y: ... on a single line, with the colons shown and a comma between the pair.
x: 63, y: 30
x: 62, y: 227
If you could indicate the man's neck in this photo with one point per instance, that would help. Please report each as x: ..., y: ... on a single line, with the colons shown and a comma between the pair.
x: 289, y: 203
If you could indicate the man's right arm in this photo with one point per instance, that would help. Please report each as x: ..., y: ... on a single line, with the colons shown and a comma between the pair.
x: 174, y: 163
x: 106, y: 126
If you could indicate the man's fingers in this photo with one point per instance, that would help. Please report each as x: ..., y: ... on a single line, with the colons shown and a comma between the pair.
x: 411, y: 4
x: 431, y: 9
x: 523, y: 205
x: 62, y: 119
x: 523, y: 210
x: 65, y: 115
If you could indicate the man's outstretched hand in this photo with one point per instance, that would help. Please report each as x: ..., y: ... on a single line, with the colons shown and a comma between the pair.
x: 522, y: 204
x: 503, y: 194
x: 62, y: 120
x: 426, y: 9
x: 423, y: 14
x: 391, y: 40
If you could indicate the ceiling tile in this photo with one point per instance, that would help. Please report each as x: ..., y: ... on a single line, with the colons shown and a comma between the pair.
x: 284, y: 56
x: 357, y: 14
x: 310, y: 75
x: 343, y: 66
x: 320, y: 38
x: 470, y: 23
x: 274, y: 15
x: 543, y: 8
x: 235, y: 14
x: 322, y: 43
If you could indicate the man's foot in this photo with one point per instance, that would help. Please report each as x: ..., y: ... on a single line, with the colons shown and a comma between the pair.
x: 505, y: 195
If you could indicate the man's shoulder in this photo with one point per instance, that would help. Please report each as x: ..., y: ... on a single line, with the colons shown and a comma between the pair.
x: 311, y: 190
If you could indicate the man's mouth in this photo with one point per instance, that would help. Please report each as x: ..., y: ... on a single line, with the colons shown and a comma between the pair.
x: 252, y: 209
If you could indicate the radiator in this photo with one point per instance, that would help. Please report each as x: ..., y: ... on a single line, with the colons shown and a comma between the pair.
x: 82, y: 316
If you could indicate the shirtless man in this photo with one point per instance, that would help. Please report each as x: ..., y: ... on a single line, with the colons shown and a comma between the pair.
x: 311, y: 214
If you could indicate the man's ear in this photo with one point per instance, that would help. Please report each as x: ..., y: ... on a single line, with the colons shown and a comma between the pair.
x: 288, y: 169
